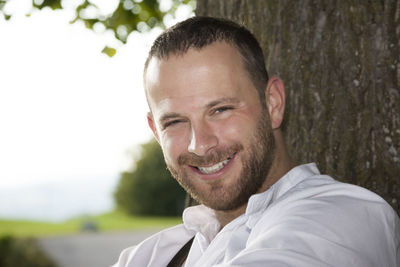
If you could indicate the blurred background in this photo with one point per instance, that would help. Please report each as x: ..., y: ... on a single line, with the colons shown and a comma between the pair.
x: 74, y: 140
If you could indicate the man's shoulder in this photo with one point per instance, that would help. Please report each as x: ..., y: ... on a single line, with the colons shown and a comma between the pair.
x: 304, y: 193
x: 330, y: 208
x: 330, y: 217
x: 321, y: 193
x: 324, y: 189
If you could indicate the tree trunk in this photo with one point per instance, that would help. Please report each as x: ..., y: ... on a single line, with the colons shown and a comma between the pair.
x: 340, y: 64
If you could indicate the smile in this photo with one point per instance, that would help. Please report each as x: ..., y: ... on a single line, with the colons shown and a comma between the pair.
x: 215, y: 168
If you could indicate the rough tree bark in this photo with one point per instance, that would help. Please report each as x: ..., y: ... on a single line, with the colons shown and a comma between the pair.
x: 340, y: 63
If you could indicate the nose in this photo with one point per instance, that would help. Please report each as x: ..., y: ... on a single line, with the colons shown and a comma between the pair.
x: 202, y: 139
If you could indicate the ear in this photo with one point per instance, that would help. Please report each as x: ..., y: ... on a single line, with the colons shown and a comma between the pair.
x: 275, y: 97
x: 152, y: 126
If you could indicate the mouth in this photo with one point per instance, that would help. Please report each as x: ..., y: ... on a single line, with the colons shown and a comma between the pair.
x: 214, y: 168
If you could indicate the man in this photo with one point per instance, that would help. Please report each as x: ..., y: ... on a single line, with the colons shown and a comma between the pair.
x: 217, y: 117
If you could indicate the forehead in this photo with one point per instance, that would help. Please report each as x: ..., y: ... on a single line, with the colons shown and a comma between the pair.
x: 216, y: 70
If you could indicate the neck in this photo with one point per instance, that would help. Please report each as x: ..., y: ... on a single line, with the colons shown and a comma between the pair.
x: 225, y: 217
x: 280, y: 166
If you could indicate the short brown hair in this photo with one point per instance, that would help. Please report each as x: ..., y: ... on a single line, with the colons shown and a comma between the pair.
x: 198, y: 32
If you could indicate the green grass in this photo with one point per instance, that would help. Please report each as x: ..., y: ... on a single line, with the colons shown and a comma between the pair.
x: 113, y: 221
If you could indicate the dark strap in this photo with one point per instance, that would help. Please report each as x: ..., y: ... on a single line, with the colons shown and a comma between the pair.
x: 181, y: 256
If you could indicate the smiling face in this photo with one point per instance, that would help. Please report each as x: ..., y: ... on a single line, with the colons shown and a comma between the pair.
x: 214, y: 132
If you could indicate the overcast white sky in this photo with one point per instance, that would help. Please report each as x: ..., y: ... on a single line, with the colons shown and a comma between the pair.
x: 67, y: 111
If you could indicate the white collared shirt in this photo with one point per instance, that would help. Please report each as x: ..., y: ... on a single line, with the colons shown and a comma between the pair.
x: 305, y: 219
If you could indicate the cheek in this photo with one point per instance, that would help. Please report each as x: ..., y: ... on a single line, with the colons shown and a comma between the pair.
x: 238, y: 129
x: 173, y: 146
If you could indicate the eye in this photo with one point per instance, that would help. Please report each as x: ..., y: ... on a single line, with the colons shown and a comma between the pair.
x: 171, y: 123
x: 222, y: 109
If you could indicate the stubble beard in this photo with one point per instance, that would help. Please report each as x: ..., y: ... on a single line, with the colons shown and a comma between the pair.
x: 256, y: 164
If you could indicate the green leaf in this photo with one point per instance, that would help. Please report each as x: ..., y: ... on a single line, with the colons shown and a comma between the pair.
x: 109, y: 51
x: 53, y: 4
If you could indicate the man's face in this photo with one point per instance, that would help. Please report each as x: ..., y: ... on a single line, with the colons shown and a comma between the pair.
x: 206, y: 114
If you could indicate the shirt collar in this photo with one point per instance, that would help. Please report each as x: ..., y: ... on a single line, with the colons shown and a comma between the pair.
x: 258, y: 203
x: 202, y: 219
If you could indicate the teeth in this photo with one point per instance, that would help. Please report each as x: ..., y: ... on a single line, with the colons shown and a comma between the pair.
x: 214, y: 168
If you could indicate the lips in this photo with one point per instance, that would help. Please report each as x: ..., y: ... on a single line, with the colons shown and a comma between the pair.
x: 214, y: 168
x: 212, y: 165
